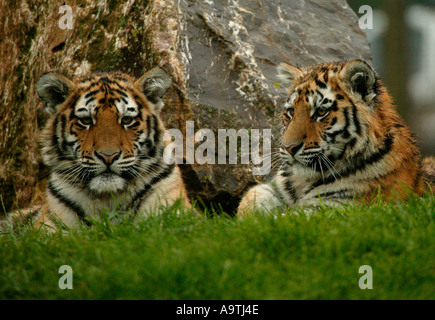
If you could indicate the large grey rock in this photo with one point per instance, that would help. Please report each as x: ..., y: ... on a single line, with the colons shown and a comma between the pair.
x: 229, y: 50
x: 220, y: 54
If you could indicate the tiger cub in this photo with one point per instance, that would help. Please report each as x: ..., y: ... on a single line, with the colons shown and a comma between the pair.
x: 343, y: 139
x: 104, y: 146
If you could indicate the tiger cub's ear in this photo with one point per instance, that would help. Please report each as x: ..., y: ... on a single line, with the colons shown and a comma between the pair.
x: 287, y: 74
x: 53, y: 88
x: 360, y: 78
x: 154, y: 84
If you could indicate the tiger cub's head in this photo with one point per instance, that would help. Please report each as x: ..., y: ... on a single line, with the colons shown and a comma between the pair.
x: 104, y: 129
x: 329, y: 114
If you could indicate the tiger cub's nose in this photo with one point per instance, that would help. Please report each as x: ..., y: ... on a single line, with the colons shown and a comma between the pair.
x: 293, y: 148
x: 108, y: 157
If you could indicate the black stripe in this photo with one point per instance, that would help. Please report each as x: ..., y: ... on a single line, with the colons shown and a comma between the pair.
x: 141, y: 196
x: 79, y: 125
x: 55, y: 139
x: 333, y: 134
x: 69, y: 203
x: 87, y: 102
x: 309, y: 155
x: 355, y: 119
x: 360, y: 162
x: 350, y: 144
x: 137, y: 123
x: 325, y: 101
x: 399, y: 125
x: 290, y: 189
x: 286, y: 174
x: 156, y: 129
x: 321, y: 95
x: 62, y: 131
x: 72, y: 107
x: 122, y: 93
x: 151, y: 152
x: 343, y: 131
x: 288, y: 186
x: 346, y: 126
x: 320, y: 84
x: 148, y: 121
x: 118, y: 77
x: 106, y: 79
x: 149, y: 142
x: 91, y: 93
x: 72, y: 131
x: 334, y: 106
x: 33, y: 214
x: 341, y: 193
x: 70, y: 143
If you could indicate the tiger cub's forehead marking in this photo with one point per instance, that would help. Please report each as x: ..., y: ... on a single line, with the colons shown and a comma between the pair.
x: 322, y: 97
x: 94, y: 98
x: 290, y: 101
x: 313, y: 97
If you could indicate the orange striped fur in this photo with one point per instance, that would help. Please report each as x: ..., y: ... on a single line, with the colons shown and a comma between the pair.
x: 104, y: 146
x: 343, y: 140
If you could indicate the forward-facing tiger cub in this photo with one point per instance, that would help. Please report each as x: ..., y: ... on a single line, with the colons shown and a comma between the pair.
x: 343, y: 140
x: 104, y: 146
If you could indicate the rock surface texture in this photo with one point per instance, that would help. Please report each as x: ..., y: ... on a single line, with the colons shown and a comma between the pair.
x: 221, y: 56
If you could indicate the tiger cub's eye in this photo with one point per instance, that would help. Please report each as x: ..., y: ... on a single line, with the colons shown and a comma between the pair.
x: 288, y: 115
x: 86, y: 121
x: 126, y: 120
x: 322, y: 112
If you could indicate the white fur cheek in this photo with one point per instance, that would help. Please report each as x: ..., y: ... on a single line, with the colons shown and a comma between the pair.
x: 106, y: 184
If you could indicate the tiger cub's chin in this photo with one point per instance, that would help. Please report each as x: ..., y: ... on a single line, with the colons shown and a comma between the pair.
x: 107, y: 183
x: 343, y: 140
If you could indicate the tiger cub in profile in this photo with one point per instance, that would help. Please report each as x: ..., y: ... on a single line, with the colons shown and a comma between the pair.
x: 104, y: 147
x: 343, y: 139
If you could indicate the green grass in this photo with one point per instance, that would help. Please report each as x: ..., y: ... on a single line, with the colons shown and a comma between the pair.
x: 266, y: 257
